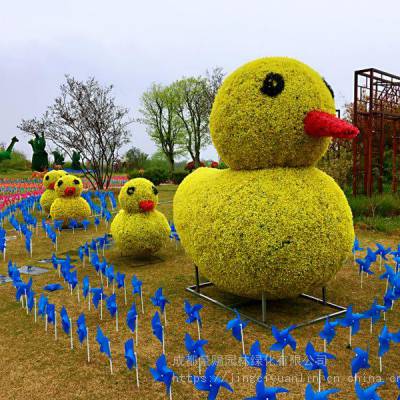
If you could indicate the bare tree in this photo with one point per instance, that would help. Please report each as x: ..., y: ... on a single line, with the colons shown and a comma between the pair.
x: 196, y: 96
x: 163, y: 125
x: 85, y: 118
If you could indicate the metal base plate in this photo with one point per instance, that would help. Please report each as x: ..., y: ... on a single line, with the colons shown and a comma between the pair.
x: 196, y: 290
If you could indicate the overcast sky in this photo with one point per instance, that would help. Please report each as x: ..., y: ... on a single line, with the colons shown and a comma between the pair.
x: 134, y: 43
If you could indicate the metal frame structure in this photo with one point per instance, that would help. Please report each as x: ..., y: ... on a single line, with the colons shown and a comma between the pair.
x: 376, y: 112
x: 196, y: 290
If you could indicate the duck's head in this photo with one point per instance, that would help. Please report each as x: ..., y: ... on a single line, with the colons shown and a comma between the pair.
x: 50, y: 179
x: 275, y: 112
x: 138, y: 195
x: 68, y: 186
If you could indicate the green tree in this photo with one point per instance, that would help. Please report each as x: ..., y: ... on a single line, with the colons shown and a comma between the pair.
x: 135, y: 158
x: 163, y: 125
x: 195, y: 99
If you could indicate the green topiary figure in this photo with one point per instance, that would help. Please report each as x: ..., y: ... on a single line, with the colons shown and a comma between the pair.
x: 76, y: 160
x: 58, y: 158
x: 40, y: 160
x: 139, y: 229
x: 272, y: 223
x: 6, y: 154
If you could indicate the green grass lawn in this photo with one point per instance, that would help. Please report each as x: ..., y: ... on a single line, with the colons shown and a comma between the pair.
x: 35, y: 366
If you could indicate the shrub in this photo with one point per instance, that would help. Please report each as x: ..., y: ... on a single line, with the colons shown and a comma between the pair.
x: 135, y: 173
x: 385, y: 205
x: 178, y: 176
x: 18, y: 162
x: 190, y: 165
x: 156, y: 175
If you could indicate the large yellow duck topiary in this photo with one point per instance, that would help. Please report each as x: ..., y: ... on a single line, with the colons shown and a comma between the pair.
x: 69, y: 204
x: 273, y: 223
x: 139, y: 229
x: 49, y: 195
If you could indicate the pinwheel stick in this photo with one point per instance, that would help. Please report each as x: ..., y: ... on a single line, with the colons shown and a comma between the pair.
x: 380, y: 262
x: 125, y: 295
x: 4, y: 254
x: 324, y: 345
x: 87, y: 345
x: 371, y: 326
x: 45, y: 323
x: 198, y: 329
x: 89, y: 299
x: 283, y: 357
x: 26, y: 303
x: 141, y: 299
x: 101, y: 306
x: 136, y: 329
x: 34, y: 302
x: 163, y: 340
x: 22, y: 302
x: 241, y: 335
x: 116, y: 321
x: 113, y: 286
x: 137, y: 370
x: 77, y: 292
x: 70, y: 334
x: 165, y: 315
x: 55, y: 325
x: 170, y: 392
x: 361, y: 278
x: 111, y: 364
x: 319, y: 380
x: 380, y: 364
x: 350, y: 334
x: 30, y: 245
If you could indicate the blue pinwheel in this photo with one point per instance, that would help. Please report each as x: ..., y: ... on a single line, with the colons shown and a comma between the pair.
x: 120, y: 278
x: 382, y: 252
x: 364, y: 266
x: 374, y: 313
x: 157, y: 328
x: 351, y: 320
x: 131, y: 318
x: 193, y: 312
x: 111, y: 304
x: 103, y: 342
x: 136, y: 285
x: 81, y: 253
x: 85, y: 224
x: 30, y: 300
x: 317, y: 360
x: 65, y: 322
x: 22, y: 288
x: 85, y: 286
x: 236, y: 326
x: 195, y: 348
x: 258, y: 359
x: 360, y: 360
x: 52, y: 287
x: 389, y: 275
x: 51, y: 313
x: 81, y: 328
x: 159, y: 300
x: 96, y: 222
x: 109, y: 273
x: 371, y: 255
x: 384, y: 339
x: 388, y: 299
x: 266, y: 393
x: 283, y: 338
x: 368, y: 393
x: 162, y: 373
x: 43, y: 301
x: 72, y: 278
x: 328, y: 332
x: 130, y: 355
x: 210, y: 382
x: 324, y: 395
x: 97, y: 295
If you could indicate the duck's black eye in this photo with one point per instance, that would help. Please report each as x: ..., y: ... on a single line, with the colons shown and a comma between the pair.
x: 273, y: 84
x: 131, y: 190
x: 329, y: 87
x: 47, y: 178
x: 59, y: 183
x: 155, y: 191
x: 76, y: 181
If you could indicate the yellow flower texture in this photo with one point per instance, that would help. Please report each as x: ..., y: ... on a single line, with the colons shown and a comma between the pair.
x: 69, y: 204
x: 49, y: 195
x: 138, y: 229
x: 272, y: 223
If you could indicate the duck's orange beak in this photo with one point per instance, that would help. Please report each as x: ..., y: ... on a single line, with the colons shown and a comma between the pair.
x: 69, y: 191
x: 51, y: 186
x: 146, y: 205
x: 321, y: 124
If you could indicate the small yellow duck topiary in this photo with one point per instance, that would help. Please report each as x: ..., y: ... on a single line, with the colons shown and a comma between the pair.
x: 273, y: 223
x: 69, y: 204
x: 139, y: 229
x: 49, y: 195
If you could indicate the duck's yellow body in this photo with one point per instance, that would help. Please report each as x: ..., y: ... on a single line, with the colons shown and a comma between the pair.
x: 66, y: 208
x: 278, y: 231
x: 140, y: 234
x: 46, y: 199
x: 49, y: 195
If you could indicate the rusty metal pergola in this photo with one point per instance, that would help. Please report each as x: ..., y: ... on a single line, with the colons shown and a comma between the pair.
x: 377, y: 114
